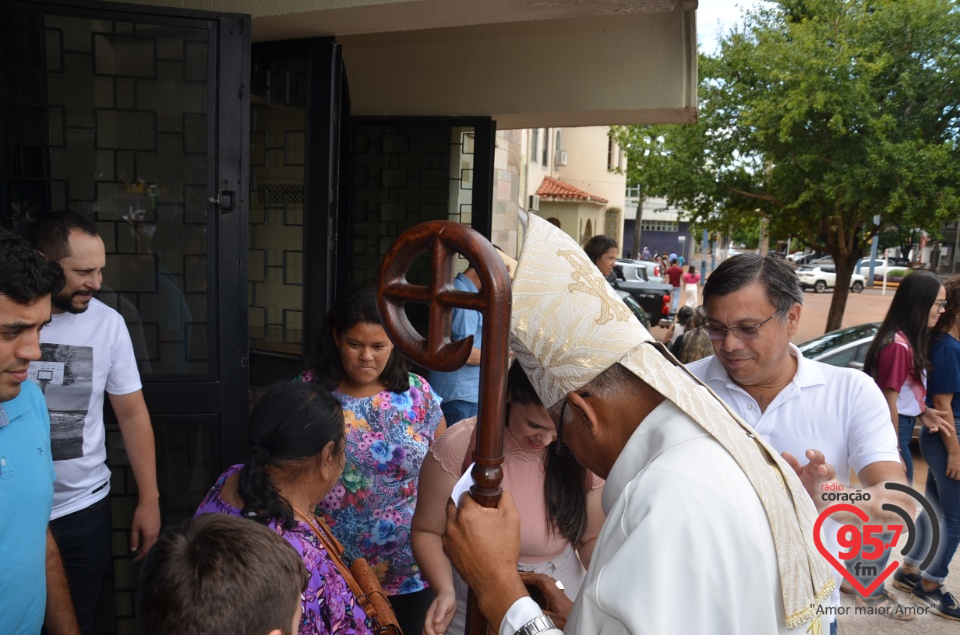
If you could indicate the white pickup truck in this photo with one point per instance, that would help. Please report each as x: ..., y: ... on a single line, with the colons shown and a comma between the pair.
x: 823, y: 277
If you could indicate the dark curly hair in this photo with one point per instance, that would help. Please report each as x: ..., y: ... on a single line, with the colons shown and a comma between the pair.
x: 290, y: 423
x: 356, y: 307
x: 25, y: 276
x: 565, y: 479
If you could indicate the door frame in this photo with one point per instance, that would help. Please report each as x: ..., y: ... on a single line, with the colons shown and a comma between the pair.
x: 225, y: 392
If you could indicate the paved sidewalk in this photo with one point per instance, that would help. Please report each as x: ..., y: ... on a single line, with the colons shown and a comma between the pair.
x: 869, y: 306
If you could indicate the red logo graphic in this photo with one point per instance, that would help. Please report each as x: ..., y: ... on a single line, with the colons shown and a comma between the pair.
x: 850, y: 537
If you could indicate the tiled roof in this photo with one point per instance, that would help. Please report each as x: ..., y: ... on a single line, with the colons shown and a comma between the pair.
x: 555, y: 188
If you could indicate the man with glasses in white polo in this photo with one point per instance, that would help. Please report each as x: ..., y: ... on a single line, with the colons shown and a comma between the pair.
x: 822, y: 418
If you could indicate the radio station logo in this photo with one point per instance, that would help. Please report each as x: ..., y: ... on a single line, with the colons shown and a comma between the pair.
x: 861, y: 547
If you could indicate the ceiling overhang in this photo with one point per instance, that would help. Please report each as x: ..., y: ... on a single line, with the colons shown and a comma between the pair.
x: 526, y: 63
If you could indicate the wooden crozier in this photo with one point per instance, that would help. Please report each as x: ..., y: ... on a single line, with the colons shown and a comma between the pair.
x: 443, y: 240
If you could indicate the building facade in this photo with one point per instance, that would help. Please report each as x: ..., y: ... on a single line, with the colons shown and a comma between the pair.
x: 249, y: 167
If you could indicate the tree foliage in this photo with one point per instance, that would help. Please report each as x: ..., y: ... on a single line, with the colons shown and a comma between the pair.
x: 819, y: 115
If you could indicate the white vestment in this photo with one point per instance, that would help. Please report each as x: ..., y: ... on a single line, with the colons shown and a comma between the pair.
x: 686, y: 546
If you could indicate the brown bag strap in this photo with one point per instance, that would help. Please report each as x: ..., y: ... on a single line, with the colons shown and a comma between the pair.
x: 335, y: 549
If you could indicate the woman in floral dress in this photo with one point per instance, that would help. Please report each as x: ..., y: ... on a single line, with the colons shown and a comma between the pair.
x: 392, y: 418
x: 296, y: 456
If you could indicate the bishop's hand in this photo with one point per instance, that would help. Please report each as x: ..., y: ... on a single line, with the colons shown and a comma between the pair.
x: 555, y: 603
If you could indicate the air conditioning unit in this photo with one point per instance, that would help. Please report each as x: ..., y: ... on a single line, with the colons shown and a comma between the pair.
x: 533, y: 203
x: 561, y: 157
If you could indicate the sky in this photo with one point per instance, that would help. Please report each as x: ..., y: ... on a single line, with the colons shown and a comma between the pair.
x: 715, y: 17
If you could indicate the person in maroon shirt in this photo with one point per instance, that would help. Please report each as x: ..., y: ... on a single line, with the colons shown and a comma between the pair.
x: 673, y: 277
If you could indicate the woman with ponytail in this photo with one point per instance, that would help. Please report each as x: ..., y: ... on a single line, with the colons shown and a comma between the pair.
x: 898, y: 357
x: 558, y: 499
x: 296, y: 438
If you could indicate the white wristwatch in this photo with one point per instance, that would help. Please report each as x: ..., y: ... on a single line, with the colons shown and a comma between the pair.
x: 539, y: 624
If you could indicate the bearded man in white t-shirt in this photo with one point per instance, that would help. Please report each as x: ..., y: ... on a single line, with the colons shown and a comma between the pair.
x: 835, y: 418
x: 86, y: 353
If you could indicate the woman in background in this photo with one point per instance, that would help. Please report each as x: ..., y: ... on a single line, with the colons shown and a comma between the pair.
x: 602, y: 251
x: 898, y: 356
x: 680, y: 324
x: 694, y: 343
x: 941, y: 451
x: 691, y: 287
x: 559, y: 503
x: 392, y: 418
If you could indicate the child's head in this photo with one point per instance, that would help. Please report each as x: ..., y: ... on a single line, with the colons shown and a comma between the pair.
x: 221, y: 574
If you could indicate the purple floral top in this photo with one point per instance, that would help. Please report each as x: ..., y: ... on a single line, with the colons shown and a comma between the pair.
x: 329, y: 606
x: 371, y: 507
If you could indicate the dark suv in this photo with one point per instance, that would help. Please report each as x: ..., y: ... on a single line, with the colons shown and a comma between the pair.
x: 654, y: 297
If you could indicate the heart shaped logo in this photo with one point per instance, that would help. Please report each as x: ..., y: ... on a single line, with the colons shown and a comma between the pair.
x: 859, y: 513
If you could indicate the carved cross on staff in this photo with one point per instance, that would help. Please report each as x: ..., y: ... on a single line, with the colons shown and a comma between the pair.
x: 443, y: 240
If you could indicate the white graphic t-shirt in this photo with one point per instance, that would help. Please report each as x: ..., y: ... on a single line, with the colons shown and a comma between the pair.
x: 82, y: 356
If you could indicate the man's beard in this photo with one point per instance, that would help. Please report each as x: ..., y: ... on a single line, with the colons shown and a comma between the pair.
x: 65, y: 303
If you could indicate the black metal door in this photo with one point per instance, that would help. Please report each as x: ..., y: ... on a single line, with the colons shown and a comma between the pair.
x: 137, y: 118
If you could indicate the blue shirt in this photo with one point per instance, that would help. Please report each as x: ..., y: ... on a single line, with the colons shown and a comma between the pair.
x: 944, y: 375
x: 26, y: 498
x: 462, y: 384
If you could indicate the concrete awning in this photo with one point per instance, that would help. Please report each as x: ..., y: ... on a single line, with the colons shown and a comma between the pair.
x: 526, y: 63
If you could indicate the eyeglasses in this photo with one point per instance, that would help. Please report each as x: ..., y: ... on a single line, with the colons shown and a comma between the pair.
x: 745, y: 332
x: 561, y: 448
x: 941, y: 305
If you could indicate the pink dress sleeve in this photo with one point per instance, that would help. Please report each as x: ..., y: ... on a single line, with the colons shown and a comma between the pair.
x: 595, y: 481
x: 451, y: 448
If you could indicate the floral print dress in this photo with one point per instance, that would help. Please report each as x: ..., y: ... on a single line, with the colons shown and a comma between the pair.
x: 329, y: 606
x: 370, y: 509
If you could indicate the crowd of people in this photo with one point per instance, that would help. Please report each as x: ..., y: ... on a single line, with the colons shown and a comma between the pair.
x: 603, y: 251
x: 615, y: 452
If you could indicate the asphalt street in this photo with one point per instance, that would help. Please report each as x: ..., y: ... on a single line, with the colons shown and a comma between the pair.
x: 871, y: 306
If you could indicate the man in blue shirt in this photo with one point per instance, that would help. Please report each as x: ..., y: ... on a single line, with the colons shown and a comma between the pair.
x: 460, y: 389
x: 33, y: 586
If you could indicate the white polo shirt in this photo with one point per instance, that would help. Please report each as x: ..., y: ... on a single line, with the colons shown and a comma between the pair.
x: 838, y: 411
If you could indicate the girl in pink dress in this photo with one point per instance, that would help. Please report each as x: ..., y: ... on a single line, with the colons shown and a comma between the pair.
x: 691, y: 287
x: 559, y: 503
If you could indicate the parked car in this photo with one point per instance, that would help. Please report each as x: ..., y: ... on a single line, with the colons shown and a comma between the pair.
x: 652, y: 267
x: 635, y: 308
x: 881, y: 265
x: 843, y: 347
x: 652, y: 296
x: 823, y: 277
x: 822, y: 260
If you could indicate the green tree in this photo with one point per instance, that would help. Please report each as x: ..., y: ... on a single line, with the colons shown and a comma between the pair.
x: 818, y: 115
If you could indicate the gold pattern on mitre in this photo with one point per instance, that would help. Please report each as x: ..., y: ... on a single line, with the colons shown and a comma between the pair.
x: 563, y: 345
x: 586, y: 281
x: 560, y: 304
